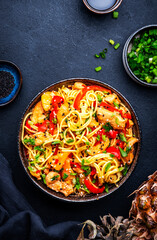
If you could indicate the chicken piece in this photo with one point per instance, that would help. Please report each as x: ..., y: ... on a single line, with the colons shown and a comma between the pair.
x: 46, y: 99
x: 38, y: 113
x: 36, y: 174
x: 39, y: 138
x: 130, y: 123
x: 53, y: 181
x: 115, y: 119
x: 62, y: 112
x: 99, y: 148
x: 78, y: 85
x: 132, y: 141
x: 93, y: 123
x: 67, y: 170
x: 129, y: 158
x: 112, y: 98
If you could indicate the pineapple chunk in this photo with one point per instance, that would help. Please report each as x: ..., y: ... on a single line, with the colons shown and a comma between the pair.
x: 46, y: 99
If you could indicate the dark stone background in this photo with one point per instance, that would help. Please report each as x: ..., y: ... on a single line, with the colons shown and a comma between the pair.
x: 54, y: 40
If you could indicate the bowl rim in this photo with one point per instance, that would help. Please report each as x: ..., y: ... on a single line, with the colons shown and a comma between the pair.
x: 20, y: 84
x: 109, y: 10
x: 93, y: 197
x: 125, y: 59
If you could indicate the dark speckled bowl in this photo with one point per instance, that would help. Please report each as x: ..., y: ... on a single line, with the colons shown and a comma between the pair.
x: 74, y: 198
x: 127, y: 49
x: 16, y: 73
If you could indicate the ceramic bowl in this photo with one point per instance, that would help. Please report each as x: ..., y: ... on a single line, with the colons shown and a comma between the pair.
x: 127, y: 49
x: 74, y: 198
x: 16, y: 73
x: 111, y: 9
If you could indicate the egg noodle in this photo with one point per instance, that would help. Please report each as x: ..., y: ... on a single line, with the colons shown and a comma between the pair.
x: 69, y: 143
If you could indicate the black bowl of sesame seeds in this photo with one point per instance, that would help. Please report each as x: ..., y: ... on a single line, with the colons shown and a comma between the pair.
x: 72, y: 197
x: 10, y: 82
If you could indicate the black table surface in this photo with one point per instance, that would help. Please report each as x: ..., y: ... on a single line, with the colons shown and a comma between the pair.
x: 54, y: 40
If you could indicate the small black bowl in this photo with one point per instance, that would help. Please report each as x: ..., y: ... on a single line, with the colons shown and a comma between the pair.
x: 127, y: 49
x: 75, y: 198
x: 15, y: 72
x: 111, y: 9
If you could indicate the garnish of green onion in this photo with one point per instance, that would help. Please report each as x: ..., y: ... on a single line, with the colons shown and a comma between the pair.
x: 102, y: 54
x: 43, y: 177
x: 116, y: 104
x: 31, y: 169
x: 65, y: 176
x: 117, y: 121
x: 97, y: 56
x: 85, y: 188
x: 121, y: 169
x: 70, y: 140
x: 125, y: 170
x: 30, y: 122
x: 31, y: 141
x: 87, y: 143
x: 73, y: 174
x: 98, y: 69
x: 89, y: 129
x: 107, y: 167
x: 106, y: 188
x: 128, y: 149
x: 122, y: 137
x: 115, y: 14
x: 99, y: 98
x: 55, y: 177
x: 39, y: 149
x: 117, y: 46
x: 111, y: 42
x: 107, y: 127
x: 98, y: 137
x: 104, y: 138
x: 54, y: 120
x: 123, y: 153
x: 77, y: 184
x: 56, y: 142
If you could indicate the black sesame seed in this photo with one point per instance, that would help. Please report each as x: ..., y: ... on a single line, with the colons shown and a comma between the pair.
x: 7, y: 83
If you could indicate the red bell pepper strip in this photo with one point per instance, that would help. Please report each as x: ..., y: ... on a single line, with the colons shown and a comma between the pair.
x: 53, y: 115
x: 119, y: 143
x: 93, y: 172
x: 75, y: 165
x: 57, y: 101
x: 42, y: 127
x: 56, y: 161
x: 70, y: 155
x: 51, y: 128
x: 115, y: 151
x: 78, y: 99
x: 108, y: 107
x: 111, y: 134
x: 112, y: 109
x: 27, y: 124
x: 126, y: 115
x: 56, y: 150
x: 92, y: 188
x: 38, y: 171
x: 83, y: 92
